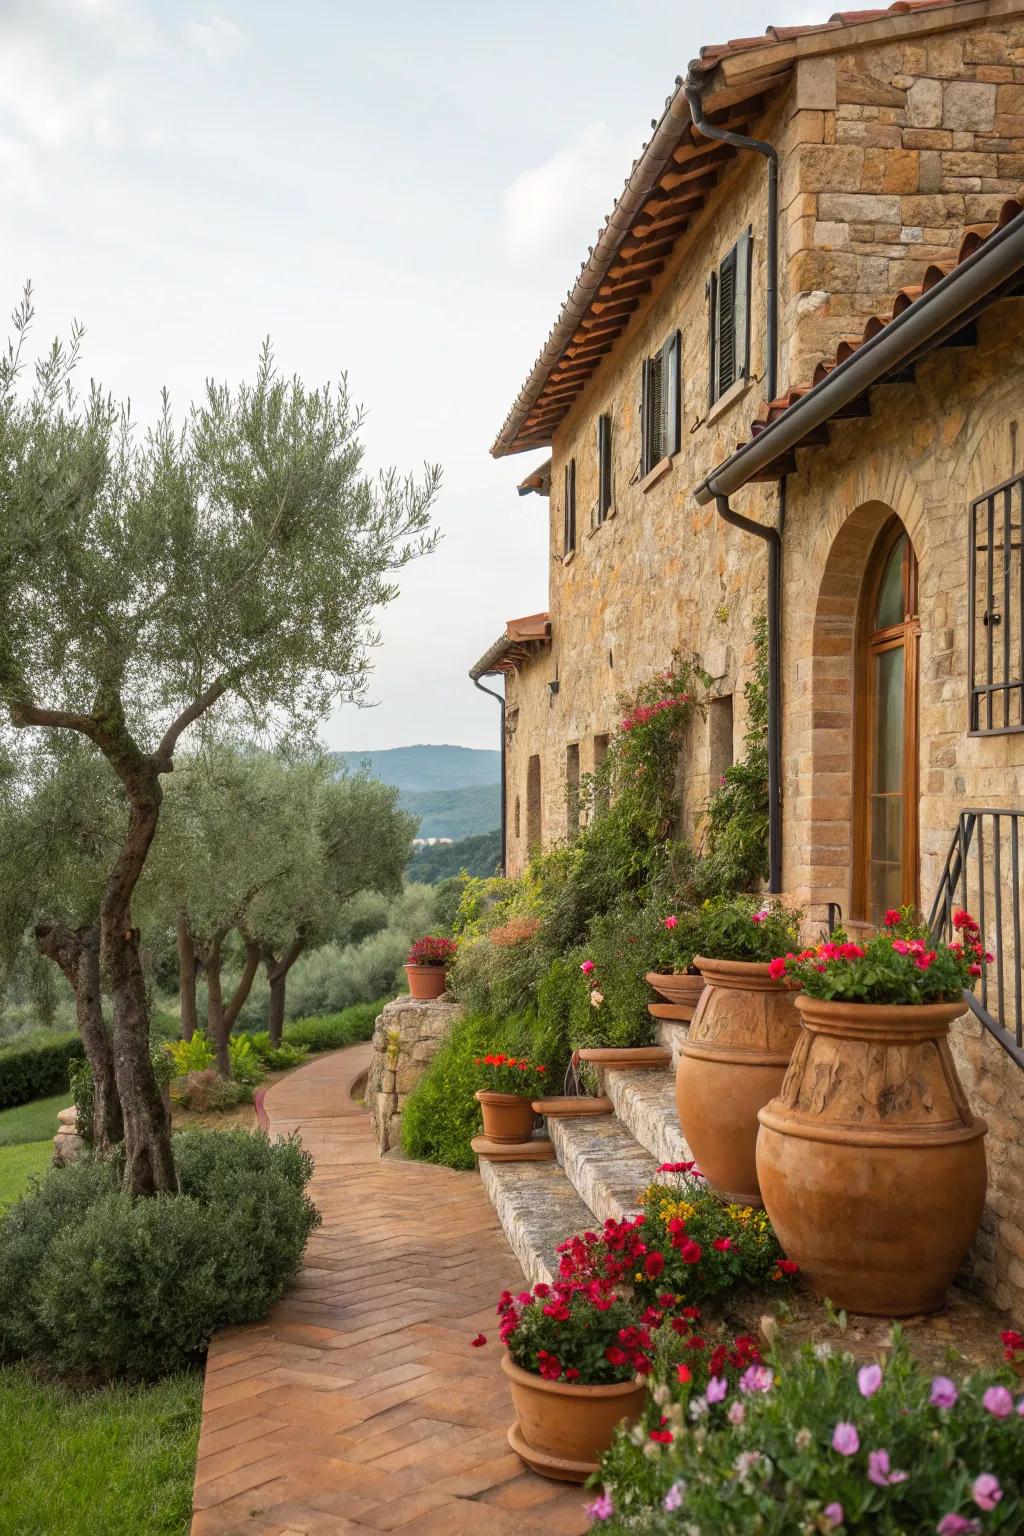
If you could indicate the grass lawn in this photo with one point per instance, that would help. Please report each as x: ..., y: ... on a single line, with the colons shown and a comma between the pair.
x: 119, y: 1461
x: 32, y: 1122
x: 17, y: 1165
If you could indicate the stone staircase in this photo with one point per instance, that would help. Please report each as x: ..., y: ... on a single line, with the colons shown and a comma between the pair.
x: 602, y: 1162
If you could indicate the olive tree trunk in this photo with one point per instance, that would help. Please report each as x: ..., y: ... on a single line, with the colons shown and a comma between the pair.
x: 77, y: 952
x: 277, y: 976
x: 221, y: 1019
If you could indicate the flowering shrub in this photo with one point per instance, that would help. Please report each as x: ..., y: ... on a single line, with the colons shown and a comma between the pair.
x: 818, y: 1445
x: 678, y: 936
x: 432, y: 951
x: 686, y: 1245
x: 576, y: 1332
x: 509, y: 1074
x: 644, y: 752
x: 898, y: 965
x: 745, y: 928
x: 518, y: 930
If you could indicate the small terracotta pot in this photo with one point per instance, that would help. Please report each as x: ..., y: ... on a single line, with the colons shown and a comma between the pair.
x: 568, y: 1426
x: 871, y: 1162
x: 677, y: 987
x: 731, y: 1063
x: 426, y: 981
x: 508, y: 1117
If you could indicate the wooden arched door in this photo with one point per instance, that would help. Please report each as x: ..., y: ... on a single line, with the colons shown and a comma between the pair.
x: 885, y: 870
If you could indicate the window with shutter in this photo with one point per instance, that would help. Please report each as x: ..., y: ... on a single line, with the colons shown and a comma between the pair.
x: 660, y: 404
x: 604, y: 467
x: 569, y: 539
x: 729, y: 315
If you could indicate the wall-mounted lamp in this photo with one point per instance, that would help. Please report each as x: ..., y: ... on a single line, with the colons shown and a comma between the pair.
x: 553, y: 687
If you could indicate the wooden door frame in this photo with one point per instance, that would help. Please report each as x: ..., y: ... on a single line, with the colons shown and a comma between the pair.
x: 869, y: 643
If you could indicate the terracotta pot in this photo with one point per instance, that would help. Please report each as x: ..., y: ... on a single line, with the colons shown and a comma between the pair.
x: 426, y: 981
x: 677, y: 987
x: 627, y: 1058
x: 563, y: 1428
x: 577, y: 1107
x: 870, y: 1160
x: 508, y: 1117
x: 731, y: 1063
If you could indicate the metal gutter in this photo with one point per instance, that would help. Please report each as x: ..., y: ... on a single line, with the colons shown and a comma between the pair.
x: 935, y: 315
x: 504, y: 820
x: 692, y: 90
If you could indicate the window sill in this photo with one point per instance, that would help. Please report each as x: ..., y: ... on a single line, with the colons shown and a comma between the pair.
x: 735, y: 392
x: 596, y: 527
x: 659, y: 472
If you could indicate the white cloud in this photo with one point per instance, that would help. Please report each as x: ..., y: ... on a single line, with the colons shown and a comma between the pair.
x: 563, y: 202
x: 215, y: 37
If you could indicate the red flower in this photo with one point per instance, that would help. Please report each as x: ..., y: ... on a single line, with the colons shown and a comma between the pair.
x: 542, y: 1289
x: 777, y: 968
x: 892, y: 917
x: 683, y: 1373
x: 662, y: 1436
x: 654, y: 1264
x: 789, y: 1267
x: 479, y: 1341
x: 571, y: 1373
x: 614, y: 1355
x: 722, y: 1244
x: 691, y: 1253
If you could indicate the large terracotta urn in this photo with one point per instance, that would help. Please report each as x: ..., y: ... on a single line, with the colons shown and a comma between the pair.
x: 677, y: 987
x: 731, y: 1063
x: 562, y: 1430
x: 870, y: 1161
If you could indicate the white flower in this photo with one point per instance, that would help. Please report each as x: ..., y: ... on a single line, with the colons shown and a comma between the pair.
x: 661, y: 1394
x: 803, y: 1439
x: 823, y: 1350
x: 596, y: 998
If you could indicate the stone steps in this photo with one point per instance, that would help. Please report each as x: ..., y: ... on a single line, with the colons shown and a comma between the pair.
x: 538, y: 1208
x: 605, y: 1164
x: 645, y: 1104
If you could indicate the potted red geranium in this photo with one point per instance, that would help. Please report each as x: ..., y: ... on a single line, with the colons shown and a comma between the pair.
x: 577, y: 1359
x: 427, y: 965
x: 870, y: 1159
x: 508, y: 1086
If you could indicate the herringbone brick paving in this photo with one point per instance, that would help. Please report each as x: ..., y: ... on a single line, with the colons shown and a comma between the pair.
x: 358, y: 1405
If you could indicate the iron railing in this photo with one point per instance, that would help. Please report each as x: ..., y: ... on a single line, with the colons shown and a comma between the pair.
x: 995, y: 610
x: 982, y: 873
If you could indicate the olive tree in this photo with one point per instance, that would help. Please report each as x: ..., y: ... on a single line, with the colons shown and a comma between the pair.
x: 62, y: 815
x: 234, y: 562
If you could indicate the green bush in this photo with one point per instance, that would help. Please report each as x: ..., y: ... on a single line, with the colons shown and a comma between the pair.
x: 333, y: 1031
x: 277, y: 1058
x: 246, y: 1066
x: 96, y: 1283
x: 84, y: 1095
x: 37, y: 1071
x: 195, y: 1055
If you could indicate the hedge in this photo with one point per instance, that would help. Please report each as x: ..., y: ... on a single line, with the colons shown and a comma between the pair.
x: 37, y: 1071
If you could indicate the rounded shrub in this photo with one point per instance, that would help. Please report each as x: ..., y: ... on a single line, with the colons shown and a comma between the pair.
x: 97, y: 1283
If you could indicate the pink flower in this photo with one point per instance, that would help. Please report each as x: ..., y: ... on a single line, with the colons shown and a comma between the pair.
x: 602, y: 1508
x: 777, y: 968
x: 736, y: 1412
x: 757, y: 1378
x: 716, y: 1389
x: 587, y: 967
x: 671, y: 922
x: 998, y: 1402
x: 879, y: 1472
x: 869, y: 1379
x: 901, y: 946
x: 944, y: 1392
x: 674, y: 1498
x: 845, y: 1439
x: 759, y: 916
x: 834, y: 1513
x: 892, y: 917
x: 986, y: 1491
x: 956, y: 1525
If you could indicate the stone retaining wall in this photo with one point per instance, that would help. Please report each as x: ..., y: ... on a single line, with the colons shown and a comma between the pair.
x: 406, y: 1037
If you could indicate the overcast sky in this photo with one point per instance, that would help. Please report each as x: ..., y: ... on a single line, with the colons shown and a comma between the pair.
x: 404, y: 190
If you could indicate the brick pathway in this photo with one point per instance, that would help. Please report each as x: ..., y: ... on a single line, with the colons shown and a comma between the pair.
x: 358, y: 1404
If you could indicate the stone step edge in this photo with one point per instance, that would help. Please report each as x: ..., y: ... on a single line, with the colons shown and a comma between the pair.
x: 662, y: 1137
x: 604, y: 1197
x: 514, y: 1198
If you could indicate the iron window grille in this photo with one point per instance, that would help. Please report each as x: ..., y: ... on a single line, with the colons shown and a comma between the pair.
x: 604, y: 467
x: 982, y: 873
x: 995, y: 610
x: 728, y: 290
x: 569, y: 537
x: 660, y: 403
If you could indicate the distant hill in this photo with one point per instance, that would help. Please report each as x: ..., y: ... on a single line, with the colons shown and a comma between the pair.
x: 455, y: 791
x: 424, y: 767
x: 476, y: 855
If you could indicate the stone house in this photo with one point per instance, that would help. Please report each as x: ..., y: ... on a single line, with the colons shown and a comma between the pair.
x: 790, y: 377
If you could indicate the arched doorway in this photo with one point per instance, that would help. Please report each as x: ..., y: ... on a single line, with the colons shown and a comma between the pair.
x: 885, y: 862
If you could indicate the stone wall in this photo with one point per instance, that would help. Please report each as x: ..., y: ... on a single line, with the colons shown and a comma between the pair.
x: 406, y: 1037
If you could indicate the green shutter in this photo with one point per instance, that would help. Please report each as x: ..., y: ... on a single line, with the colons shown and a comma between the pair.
x: 741, y: 305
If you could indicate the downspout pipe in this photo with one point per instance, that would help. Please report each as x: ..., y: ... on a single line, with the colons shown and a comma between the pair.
x: 504, y: 822
x: 692, y: 91
x: 772, y: 537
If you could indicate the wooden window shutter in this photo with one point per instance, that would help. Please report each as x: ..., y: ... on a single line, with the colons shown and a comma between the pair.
x: 604, y: 467
x: 569, y: 543
x: 725, y: 334
x: 744, y: 252
x: 670, y: 392
x: 711, y: 291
